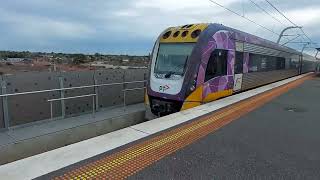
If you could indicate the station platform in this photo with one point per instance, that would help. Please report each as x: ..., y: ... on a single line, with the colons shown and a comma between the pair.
x: 271, y: 132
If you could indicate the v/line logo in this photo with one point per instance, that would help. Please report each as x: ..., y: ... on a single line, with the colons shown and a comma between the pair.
x: 164, y: 88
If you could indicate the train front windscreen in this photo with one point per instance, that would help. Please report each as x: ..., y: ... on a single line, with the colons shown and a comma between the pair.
x: 172, y: 58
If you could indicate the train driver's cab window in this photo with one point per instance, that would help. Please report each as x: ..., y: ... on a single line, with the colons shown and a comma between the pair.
x: 217, y: 64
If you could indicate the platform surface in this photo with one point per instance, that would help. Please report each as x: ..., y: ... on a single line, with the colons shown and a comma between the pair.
x: 280, y: 140
x: 273, y: 135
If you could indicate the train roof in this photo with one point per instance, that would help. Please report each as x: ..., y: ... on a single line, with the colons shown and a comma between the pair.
x: 184, y: 34
x: 191, y: 33
x: 247, y: 37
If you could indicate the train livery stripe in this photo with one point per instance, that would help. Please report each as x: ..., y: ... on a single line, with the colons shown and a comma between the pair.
x: 217, y: 95
x: 194, y: 99
x: 127, y: 162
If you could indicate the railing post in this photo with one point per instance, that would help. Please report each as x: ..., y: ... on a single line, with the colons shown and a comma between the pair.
x: 5, y: 105
x: 62, y: 93
x: 51, y: 110
x: 96, y: 91
x: 93, y: 107
x: 124, y: 99
x: 124, y: 87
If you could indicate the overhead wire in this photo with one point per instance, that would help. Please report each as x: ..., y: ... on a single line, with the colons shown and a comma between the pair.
x: 282, y: 14
x: 248, y: 19
x: 275, y: 13
x: 265, y: 11
x: 266, y: 28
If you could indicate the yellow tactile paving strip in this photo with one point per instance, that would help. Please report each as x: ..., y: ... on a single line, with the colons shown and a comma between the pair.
x: 127, y: 162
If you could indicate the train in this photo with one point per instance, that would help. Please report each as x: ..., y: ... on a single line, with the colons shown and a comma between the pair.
x: 198, y: 63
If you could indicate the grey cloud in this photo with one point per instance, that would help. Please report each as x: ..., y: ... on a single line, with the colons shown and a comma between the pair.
x: 117, y: 26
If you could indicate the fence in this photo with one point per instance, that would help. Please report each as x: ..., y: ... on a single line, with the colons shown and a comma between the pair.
x: 32, y: 97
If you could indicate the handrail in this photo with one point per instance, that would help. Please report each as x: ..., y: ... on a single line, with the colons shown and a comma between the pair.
x: 133, y: 89
x: 69, y: 88
x: 72, y: 97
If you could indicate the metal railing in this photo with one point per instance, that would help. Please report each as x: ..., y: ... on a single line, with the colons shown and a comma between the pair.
x: 73, y: 97
x: 70, y: 88
x: 94, y: 96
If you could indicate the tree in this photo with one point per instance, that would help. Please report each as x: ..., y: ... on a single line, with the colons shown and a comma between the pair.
x: 79, y: 59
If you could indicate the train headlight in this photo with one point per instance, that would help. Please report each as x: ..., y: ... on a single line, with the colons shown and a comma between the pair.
x: 192, y: 88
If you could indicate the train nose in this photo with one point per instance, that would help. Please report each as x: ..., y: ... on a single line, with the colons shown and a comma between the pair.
x: 163, y: 107
x: 158, y: 107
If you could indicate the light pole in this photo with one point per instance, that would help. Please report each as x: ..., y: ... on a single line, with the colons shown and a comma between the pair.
x: 318, y: 49
x: 318, y: 64
x: 304, y: 47
x: 291, y: 40
x: 285, y: 29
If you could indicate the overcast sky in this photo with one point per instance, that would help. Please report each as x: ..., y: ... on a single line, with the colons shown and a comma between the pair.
x: 131, y: 26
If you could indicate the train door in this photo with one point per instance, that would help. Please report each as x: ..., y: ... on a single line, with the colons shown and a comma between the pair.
x: 238, y: 67
x: 217, y: 64
x: 216, y: 77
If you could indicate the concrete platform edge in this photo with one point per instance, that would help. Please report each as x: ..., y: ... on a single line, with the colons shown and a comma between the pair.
x: 31, y: 146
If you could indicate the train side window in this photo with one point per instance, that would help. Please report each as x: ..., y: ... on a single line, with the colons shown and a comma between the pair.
x: 238, y: 65
x: 281, y: 63
x: 217, y: 64
x: 263, y: 63
x: 288, y: 63
x: 254, y: 63
x: 271, y: 63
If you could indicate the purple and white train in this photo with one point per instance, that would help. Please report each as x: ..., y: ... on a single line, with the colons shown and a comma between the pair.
x: 199, y: 63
